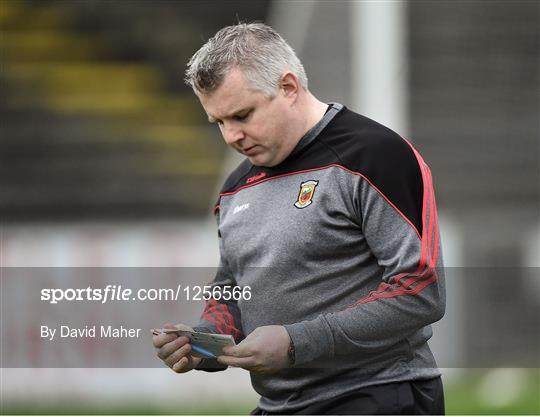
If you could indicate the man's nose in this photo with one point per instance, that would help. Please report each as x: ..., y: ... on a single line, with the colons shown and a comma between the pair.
x: 232, y: 133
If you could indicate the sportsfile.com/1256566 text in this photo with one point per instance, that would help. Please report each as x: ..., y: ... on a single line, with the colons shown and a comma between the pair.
x: 120, y: 293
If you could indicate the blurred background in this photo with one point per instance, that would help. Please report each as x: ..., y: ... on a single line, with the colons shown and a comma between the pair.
x: 107, y: 160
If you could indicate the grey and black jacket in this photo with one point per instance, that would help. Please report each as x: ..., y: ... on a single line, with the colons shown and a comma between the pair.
x: 340, y: 244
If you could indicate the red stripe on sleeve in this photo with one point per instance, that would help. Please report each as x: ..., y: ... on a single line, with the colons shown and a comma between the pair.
x: 425, y: 274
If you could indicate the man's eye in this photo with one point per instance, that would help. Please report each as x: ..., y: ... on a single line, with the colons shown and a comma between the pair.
x: 242, y: 117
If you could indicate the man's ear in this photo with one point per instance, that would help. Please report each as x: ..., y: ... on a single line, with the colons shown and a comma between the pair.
x: 289, y: 84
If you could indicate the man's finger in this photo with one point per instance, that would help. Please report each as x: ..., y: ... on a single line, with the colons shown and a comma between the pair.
x: 230, y: 351
x: 241, y: 350
x: 181, y: 326
x: 162, y: 339
x: 177, y: 355
x: 183, y: 365
x: 180, y: 365
x: 167, y: 349
x: 245, y: 362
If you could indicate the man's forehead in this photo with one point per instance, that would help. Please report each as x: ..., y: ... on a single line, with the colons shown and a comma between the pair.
x: 229, y: 113
x: 233, y: 96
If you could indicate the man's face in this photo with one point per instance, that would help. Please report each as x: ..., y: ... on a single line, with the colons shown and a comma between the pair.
x: 257, y: 126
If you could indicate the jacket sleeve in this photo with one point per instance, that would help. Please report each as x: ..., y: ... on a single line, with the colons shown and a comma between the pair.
x: 407, y: 248
x: 220, y: 316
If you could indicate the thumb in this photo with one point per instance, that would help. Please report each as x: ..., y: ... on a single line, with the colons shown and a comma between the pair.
x: 241, y: 350
x: 230, y: 350
x: 181, y: 326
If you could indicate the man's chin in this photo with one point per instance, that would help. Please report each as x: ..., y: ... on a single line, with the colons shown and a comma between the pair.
x: 258, y: 160
x: 263, y: 159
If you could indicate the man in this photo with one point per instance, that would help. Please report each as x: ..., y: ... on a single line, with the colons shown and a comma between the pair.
x: 331, y: 222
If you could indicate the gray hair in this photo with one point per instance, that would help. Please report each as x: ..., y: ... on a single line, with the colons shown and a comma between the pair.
x: 255, y: 48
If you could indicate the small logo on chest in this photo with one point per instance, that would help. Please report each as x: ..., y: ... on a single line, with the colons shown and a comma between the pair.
x: 305, y: 196
x: 240, y: 208
x: 256, y: 177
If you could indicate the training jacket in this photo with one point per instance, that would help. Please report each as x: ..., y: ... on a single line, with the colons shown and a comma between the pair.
x: 340, y: 244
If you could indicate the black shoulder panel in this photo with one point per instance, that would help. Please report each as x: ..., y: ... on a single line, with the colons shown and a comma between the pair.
x: 234, y: 180
x: 237, y: 177
x: 382, y: 156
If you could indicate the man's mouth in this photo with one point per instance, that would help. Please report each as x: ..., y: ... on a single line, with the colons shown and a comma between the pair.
x: 252, y: 150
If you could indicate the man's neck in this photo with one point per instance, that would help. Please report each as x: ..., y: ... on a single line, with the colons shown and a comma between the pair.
x: 309, y: 113
x: 314, y: 111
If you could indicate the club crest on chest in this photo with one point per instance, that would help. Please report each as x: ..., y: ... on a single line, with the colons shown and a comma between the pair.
x: 305, y: 196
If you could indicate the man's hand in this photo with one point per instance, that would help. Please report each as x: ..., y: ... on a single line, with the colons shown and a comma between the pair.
x: 175, y: 351
x: 262, y: 351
